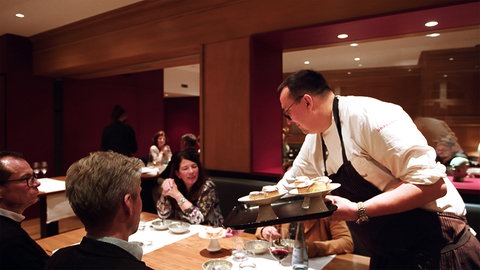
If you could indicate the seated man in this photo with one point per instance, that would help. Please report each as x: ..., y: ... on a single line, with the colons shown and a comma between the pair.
x: 18, y: 190
x: 104, y: 192
x: 322, y: 236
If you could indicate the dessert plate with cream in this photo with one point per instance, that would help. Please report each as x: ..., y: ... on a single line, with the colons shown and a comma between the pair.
x: 263, y: 199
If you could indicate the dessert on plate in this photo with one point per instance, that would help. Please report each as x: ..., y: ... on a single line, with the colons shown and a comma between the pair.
x: 267, y: 192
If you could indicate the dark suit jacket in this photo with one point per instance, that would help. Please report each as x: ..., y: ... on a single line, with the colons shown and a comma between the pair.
x: 17, y: 249
x: 93, y: 254
x: 119, y: 137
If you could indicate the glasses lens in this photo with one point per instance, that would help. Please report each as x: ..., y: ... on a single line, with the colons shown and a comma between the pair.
x: 287, y: 117
x: 31, y: 180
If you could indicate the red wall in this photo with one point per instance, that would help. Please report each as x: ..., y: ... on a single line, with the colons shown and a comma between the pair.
x: 26, y: 103
x: 181, y: 116
x: 87, y: 105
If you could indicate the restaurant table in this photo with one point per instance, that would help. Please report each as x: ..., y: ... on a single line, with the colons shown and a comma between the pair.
x: 150, y: 176
x: 53, y: 204
x: 188, y: 251
x: 469, y: 189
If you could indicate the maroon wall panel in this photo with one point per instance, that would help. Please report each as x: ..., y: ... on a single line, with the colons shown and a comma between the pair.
x: 28, y: 102
x: 88, y: 104
x: 181, y: 116
x: 266, y: 115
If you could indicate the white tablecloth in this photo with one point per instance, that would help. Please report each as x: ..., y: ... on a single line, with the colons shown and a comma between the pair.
x: 57, y: 204
x: 154, y: 239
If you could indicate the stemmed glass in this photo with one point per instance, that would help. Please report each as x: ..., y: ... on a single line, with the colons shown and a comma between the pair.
x: 163, y: 210
x: 280, y: 248
x: 43, y: 168
x: 36, y: 168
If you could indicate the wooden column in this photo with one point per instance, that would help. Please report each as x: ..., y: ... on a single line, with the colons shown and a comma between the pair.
x: 241, y: 115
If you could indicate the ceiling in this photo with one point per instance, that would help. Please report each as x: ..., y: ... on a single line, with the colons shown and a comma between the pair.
x: 44, y: 15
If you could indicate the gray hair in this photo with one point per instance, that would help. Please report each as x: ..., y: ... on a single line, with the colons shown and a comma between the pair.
x: 96, y: 184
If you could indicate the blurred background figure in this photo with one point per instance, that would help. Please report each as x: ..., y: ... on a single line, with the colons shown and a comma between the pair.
x: 188, y: 193
x: 160, y: 153
x: 433, y: 129
x: 452, y: 156
x: 188, y: 140
x: 18, y: 191
x: 447, y: 148
x: 119, y: 136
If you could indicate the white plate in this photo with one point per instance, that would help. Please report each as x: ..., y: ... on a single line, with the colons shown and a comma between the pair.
x: 178, y: 227
x: 315, y: 194
x: 246, y: 199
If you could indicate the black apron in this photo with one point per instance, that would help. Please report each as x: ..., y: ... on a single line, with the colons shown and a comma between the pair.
x: 408, y: 240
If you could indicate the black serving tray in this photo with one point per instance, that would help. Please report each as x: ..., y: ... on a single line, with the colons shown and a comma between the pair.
x: 244, y: 216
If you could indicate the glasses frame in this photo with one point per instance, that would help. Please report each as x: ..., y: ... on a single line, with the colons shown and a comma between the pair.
x: 29, y: 180
x: 285, y: 112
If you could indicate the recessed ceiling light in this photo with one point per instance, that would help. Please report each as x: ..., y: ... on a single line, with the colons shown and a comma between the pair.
x: 360, y: 65
x: 342, y: 36
x: 432, y: 35
x: 451, y: 59
x: 431, y: 23
x: 356, y: 58
x: 354, y: 44
x: 306, y: 62
x: 19, y: 15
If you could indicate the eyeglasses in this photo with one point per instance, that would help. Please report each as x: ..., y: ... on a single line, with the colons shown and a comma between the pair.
x: 29, y: 180
x: 285, y: 113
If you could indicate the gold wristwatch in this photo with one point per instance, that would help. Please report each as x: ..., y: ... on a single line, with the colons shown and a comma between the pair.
x: 362, y: 214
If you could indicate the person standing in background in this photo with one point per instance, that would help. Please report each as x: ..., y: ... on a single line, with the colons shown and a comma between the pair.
x: 160, y: 152
x: 18, y: 191
x: 119, y: 136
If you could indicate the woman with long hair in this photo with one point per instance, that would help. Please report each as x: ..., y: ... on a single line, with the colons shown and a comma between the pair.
x: 188, y: 193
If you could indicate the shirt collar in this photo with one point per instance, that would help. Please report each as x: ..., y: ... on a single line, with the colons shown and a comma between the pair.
x: 12, y: 215
x: 131, y: 248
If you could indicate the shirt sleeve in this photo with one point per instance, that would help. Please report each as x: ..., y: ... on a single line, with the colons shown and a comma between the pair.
x: 338, y: 240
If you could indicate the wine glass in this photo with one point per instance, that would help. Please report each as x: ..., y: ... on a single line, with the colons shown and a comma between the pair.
x: 163, y: 209
x: 36, y: 168
x: 280, y: 247
x: 44, y: 168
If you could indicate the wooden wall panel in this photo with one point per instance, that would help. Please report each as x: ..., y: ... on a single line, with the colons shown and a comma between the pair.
x: 226, y: 137
x: 155, y: 34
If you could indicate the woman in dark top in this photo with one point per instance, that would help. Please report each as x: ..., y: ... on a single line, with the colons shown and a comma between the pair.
x: 189, y: 194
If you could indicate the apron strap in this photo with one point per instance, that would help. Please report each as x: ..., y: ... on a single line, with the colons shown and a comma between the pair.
x: 336, y: 117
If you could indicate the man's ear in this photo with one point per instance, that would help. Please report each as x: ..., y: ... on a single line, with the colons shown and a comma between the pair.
x: 128, y: 203
x: 308, y: 99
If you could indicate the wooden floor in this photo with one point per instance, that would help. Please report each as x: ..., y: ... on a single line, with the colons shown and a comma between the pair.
x: 32, y: 226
